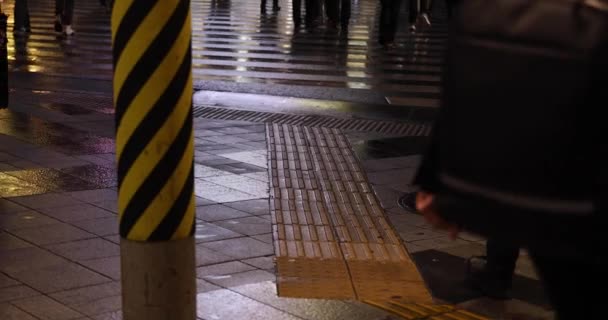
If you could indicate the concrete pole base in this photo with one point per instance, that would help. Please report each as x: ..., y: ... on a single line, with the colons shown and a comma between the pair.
x: 158, y: 280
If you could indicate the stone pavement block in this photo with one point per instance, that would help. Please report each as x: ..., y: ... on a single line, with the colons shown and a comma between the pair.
x: 16, y: 293
x: 266, y: 238
x: 507, y: 309
x: 53, y: 278
x: 100, y: 306
x: 109, y: 266
x: 7, y: 206
x: 115, y: 315
x: 420, y: 234
x: 222, y: 269
x: 249, y: 226
x: 203, y: 202
x: 25, y: 219
x: 45, y: 308
x: 250, y: 157
x: 5, y: 281
x: 204, y: 286
x: 241, y: 248
x: 4, y: 167
x: 86, y: 249
x: 440, y: 243
x: 20, y: 260
x: 261, y: 176
x: 97, y: 195
x: 220, y: 194
x: 255, y: 207
x: 230, y: 305
x: 58, y: 233
x: 411, y: 219
x: 111, y: 206
x: 77, y: 212
x: 10, y: 242
x: 113, y: 238
x: 10, y: 312
x: 264, y: 263
x: 55, y: 180
x: 202, y: 171
x: 239, y: 279
x: 240, y: 183
x: 218, y: 212
x: 466, y: 250
x: 413, y: 248
x: 311, y: 309
x: 88, y: 295
x: 238, y: 168
x: 206, y: 256
x: 101, y: 227
x: 48, y: 200
x: 207, y: 232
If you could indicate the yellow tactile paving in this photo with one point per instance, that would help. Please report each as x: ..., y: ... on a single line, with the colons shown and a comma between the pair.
x: 415, y: 311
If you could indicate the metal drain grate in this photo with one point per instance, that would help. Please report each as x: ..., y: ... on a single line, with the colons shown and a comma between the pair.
x: 387, y: 127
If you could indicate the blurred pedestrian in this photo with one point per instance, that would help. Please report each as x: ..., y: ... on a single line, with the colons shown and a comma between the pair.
x: 389, y: 21
x: 64, y: 13
x: 21, y: 14
x: 338, y: 11
x: 518, y: 152
x: 275, y: 6
x: 313, y: 10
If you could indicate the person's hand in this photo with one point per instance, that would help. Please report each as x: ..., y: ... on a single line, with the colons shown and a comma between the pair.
x: 425, y: 205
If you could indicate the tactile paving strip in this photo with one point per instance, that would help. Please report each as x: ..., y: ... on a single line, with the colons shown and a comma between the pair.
x: 332, y: 239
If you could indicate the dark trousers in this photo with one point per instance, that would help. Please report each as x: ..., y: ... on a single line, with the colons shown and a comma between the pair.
x: 338, y: 10
x: 389, y: 19
x: 501, y: 259
x: 312, y: 11
x: 275, y: 3
x: 22, y: 14
x: 65, y: 9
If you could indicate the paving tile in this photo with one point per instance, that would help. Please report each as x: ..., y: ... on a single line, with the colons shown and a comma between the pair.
x: 241, y: 248
x: 77, y: 212
x: 111, y: 206
x: 507, y: 309
x: 202, y: 171
x: 10, y: 242
x: 207, y: 232
x: 86, y: 249
x: 58, y: 277
x: 231, y: 305
x: 53, y: 179
x: 261, y: 176
x: 243, y: 278
x: 204, y: 286
x: 25, y: 219
x: 55, y: 233
x: 113, y: 238
x: 243, y: 184
x: 16, y: 293
x: 222, y: 269
x: 18, y: 260
x: 10, y: 312
x: 466, y: 250
x: 7, y: 206
x: 249, y: 226
x: 101, y: 227
x: 218, y: 212
x: 416, y: 220
x: 115, y: 315
x: 46, y: 308
x: 109, y: 267
x: 100, y: 306
x: 87, y: 295
x: 264, y: 263
x: 312, y: 309
x: 266, y: 237
x: 420, y: 234
x: 413, y: 248
x: 206, y: 256
x: 255, y: 207
x: 97, y: 195
x: 238, y: 168
x: 250, y: 157
x: 203, y: 202
x: 220, y: 194
x: 48, y: 200
x: 6, y: 281
x: 440, y: 243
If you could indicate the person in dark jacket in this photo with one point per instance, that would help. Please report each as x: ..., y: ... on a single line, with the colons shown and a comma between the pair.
x: 275, y: 6
x: 22, y: 17
x: 64, y: 13
x: 313, y: 11
x: 338, y: 11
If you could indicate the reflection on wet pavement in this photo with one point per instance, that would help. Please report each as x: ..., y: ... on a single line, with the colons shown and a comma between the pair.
x: 233, y: 43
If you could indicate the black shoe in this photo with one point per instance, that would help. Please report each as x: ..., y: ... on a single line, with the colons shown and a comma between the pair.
x: 490, y: 283
x: 276, y: 8
x: 407, y: 201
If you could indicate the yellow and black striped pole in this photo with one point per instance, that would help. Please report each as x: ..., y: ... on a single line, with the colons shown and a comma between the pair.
x: 155, y: 151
